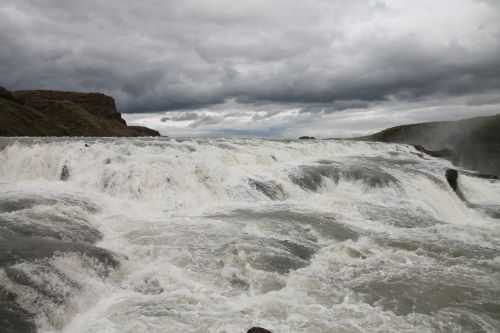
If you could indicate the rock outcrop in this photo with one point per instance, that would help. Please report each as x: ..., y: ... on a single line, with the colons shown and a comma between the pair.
x: 451, y: 176
x: 60, y: 113
x: 471, y: 143
x: 258, y: 330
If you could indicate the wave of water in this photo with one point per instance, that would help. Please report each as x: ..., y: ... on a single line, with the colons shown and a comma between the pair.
x: 159, y: 235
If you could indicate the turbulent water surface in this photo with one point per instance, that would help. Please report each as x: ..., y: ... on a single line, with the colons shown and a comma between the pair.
x: 159, y: 235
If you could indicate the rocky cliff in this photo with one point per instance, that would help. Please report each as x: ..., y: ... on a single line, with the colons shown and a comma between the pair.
x: 472, y: 143
x: 60, y: 113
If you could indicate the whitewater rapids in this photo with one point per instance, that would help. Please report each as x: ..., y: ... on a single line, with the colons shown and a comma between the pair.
x: 219, y: 235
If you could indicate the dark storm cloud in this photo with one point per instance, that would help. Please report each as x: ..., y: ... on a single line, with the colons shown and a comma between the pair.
x: 323, y: 55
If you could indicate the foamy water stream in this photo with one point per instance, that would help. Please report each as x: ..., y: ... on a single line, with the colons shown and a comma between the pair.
x: 220, y: 235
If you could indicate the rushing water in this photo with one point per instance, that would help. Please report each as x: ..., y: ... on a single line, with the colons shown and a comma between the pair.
x: 159, y: 235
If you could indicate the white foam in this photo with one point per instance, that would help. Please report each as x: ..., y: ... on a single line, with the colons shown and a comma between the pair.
x: 157, y: 200
x: 480, y: 191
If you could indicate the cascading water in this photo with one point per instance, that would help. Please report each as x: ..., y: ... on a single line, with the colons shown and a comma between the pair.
x: 163, y: 235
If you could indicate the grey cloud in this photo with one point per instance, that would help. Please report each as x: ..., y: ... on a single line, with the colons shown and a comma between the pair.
x: 324, y: 56
x: 336, y: 106
x: 488, y: 99
x: 206, y: 120
x: 187, y: 116
x: 265, y: 115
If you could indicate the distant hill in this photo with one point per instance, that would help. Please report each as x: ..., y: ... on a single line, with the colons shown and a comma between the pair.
x: 474, y: 142
x: 60, y: 113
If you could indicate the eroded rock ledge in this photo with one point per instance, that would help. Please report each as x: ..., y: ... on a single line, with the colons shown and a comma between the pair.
x: 62, y: 113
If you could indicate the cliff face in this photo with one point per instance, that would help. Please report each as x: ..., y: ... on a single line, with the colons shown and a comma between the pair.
x: 59, y: 113
x: 97, y: 104
x: 474, y: 143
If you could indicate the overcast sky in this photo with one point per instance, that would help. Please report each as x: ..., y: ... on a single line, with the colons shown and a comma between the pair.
x: 262, y: 67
